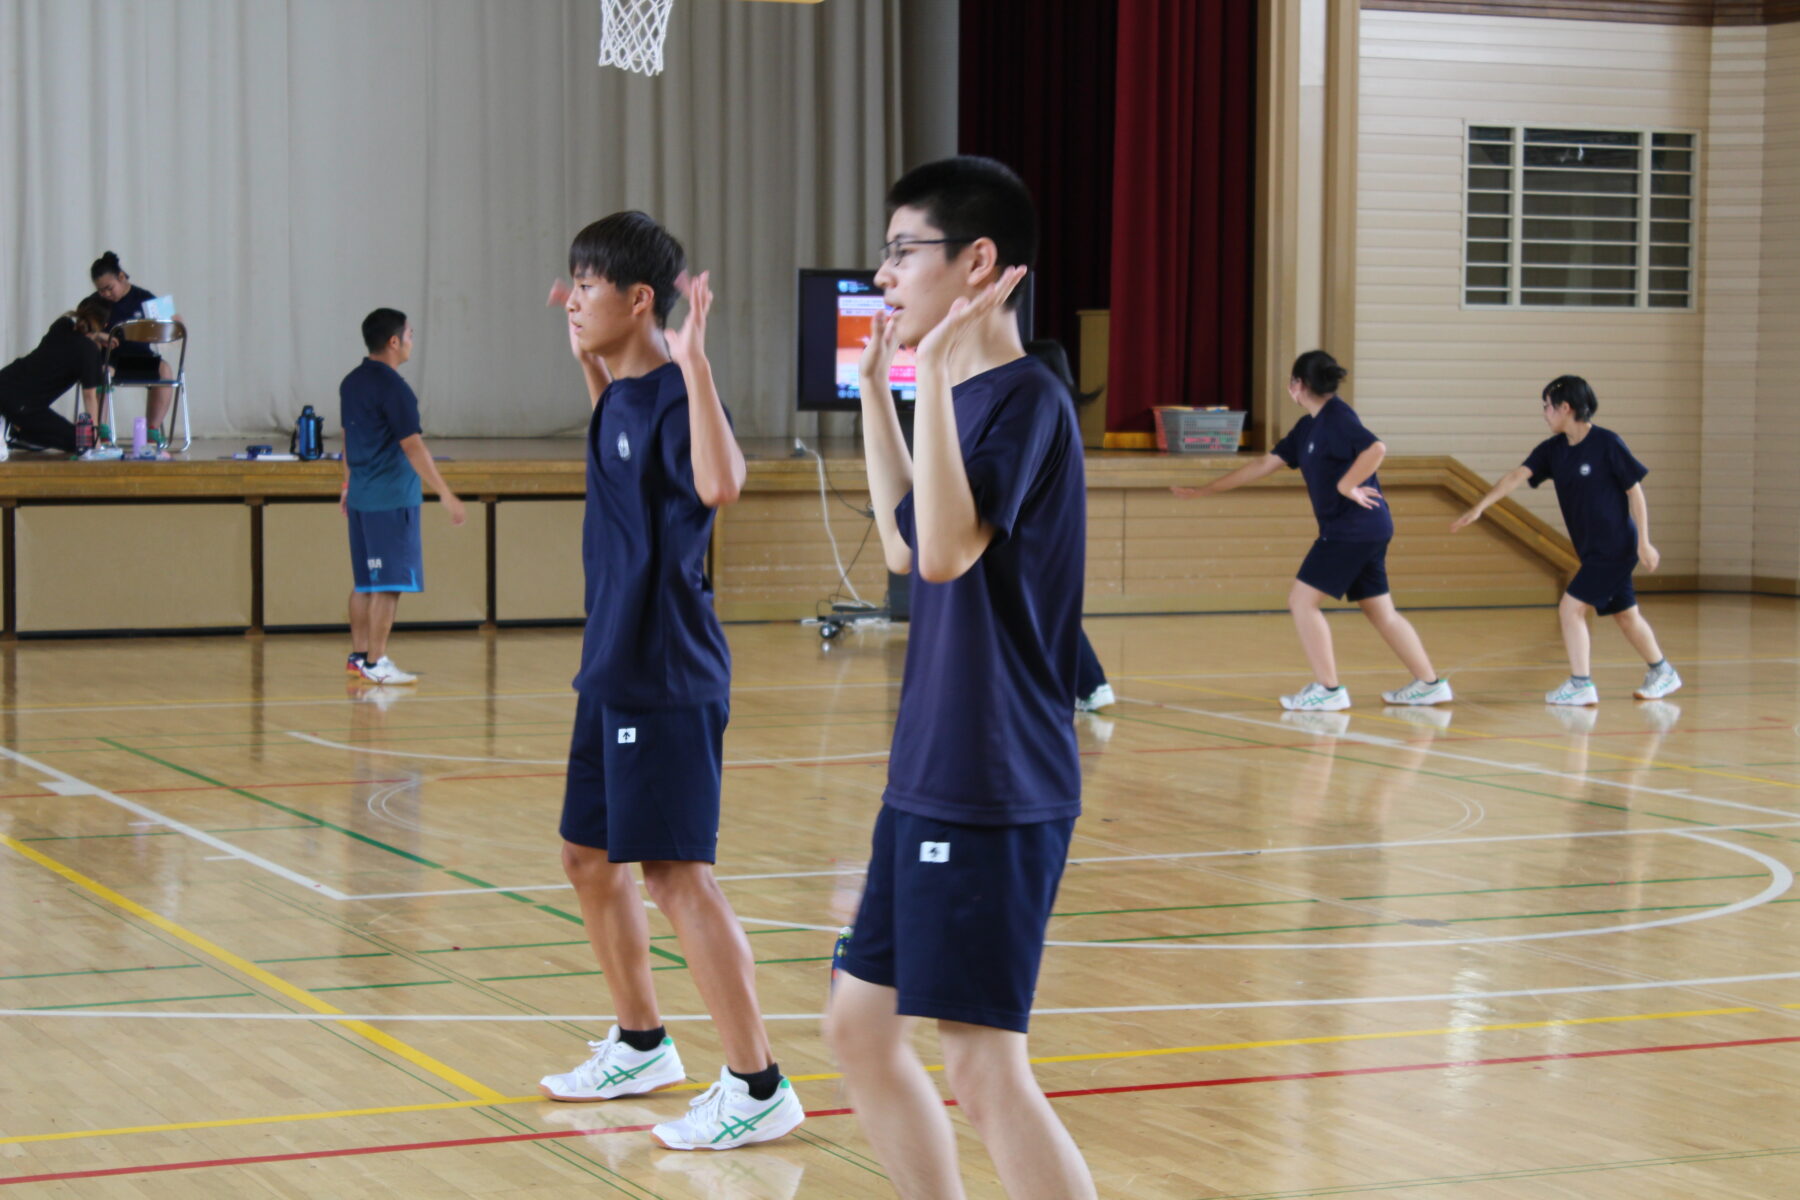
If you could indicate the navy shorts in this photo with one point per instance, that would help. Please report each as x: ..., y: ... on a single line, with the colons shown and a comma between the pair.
x: 137, y: 368
x: 644, y: 782
x: 385, y: 552
x: 1605, y: 585
x: 1346, y: 570
x: 953, y: 916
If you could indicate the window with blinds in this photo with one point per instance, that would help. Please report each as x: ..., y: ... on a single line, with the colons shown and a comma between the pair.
x: 1578, y: 218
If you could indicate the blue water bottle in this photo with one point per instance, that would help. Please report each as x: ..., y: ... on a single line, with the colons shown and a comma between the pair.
x: 309, y: 435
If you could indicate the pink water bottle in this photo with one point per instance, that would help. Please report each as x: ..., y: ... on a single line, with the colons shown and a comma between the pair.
x: 140, y: 435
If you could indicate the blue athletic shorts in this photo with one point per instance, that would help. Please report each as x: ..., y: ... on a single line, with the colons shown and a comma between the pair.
x: 644, y: 783
x: 1605, y: 585
x: 1346, y: 570
x: 953, y: 916
x: 385, y: 552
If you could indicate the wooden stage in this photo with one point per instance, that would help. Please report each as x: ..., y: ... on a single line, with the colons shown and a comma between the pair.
x: 209, y: 543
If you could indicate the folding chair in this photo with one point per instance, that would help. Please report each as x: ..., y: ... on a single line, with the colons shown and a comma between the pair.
x: 156, y: 333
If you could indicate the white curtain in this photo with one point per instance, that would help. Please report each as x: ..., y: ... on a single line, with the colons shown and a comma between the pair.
x: 281, y: 167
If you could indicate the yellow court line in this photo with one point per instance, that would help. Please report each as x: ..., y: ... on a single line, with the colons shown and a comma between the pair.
x: 1464, y: 731
x: 267, y: 978
x: 1219, y: 1047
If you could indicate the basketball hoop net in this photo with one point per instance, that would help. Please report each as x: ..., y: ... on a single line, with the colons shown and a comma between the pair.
x: 631, y: 34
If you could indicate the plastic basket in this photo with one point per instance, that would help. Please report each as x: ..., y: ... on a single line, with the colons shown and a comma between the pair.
x: 1198, y: 430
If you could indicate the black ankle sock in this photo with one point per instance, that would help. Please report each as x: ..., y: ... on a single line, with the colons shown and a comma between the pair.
x: 643, y: 1040
x: 359, y: 656
x: 764, y: 1082
x: 1660, y: 663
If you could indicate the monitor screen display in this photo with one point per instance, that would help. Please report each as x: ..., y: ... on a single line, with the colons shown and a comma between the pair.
x: 837, y: 314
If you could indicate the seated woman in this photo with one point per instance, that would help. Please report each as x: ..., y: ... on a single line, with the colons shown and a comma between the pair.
x: 132, y: 362
x: 69, y: 354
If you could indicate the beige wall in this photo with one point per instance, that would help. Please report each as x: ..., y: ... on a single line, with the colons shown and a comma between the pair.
x: 1432, y: 378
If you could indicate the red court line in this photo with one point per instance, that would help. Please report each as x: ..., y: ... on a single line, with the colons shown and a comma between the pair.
x: 501, y: 1139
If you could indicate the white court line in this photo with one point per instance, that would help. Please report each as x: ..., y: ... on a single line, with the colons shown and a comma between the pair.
x: 1780, y: 880
x: 1369, y: 739
x: 199, y: 835
x: 1218, y: 1006
x: 563, y: 762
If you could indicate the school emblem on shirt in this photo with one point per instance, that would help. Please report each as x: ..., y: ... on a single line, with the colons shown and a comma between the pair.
x: 624, y: 447
x: 1309, y: 447
x: 1586, y: 469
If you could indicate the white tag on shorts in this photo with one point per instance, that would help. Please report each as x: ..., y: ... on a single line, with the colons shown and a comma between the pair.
x: 627, y: 735
x: 934, y: 851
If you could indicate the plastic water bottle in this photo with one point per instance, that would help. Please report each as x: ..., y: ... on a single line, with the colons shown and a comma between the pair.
x: 85, y: 434
x: 140, y: 435
x: 309, y: 435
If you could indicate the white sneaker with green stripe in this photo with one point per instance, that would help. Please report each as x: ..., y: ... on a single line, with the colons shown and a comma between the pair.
x: 1316, y: 697
x: 615, y: 1070
x: 725, y: 1116
x: 1421, y: 691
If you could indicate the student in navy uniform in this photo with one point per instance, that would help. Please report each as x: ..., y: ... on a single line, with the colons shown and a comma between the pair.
x: 988, y: 512
x: 131, y: 360
x: 1092, y: 691
x: 384, y: 458
x: 1337, y: 456
x: 1599, y: 487
x: 69, y: 354
x: 653, y: 690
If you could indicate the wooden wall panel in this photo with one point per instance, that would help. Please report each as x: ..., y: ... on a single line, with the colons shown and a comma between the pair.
x: 538, y: 568
x: 306, y: 566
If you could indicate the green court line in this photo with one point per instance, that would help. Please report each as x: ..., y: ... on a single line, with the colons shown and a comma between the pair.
x: 325, y: 957
x: 578, y: 974
x: 1587, y: 912
x: 575, y: 920
x: 1674, y: 1160
x: 156, y: 1000
x: 1550, y: 887
x: 362, y: 987
x: 661, y: 937
x: 292, y: 812
x: 819, y: 1142
x: 76, y: 837
x: 102, y: 971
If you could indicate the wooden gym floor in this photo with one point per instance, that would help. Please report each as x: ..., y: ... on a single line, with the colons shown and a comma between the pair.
x: 266, y: 934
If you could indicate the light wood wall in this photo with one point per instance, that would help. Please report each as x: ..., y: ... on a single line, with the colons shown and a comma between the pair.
x: 1777, y: 491
x: 1434, y: 378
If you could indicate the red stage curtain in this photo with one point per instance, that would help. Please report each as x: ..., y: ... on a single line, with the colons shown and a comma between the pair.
x: 1183, y: 187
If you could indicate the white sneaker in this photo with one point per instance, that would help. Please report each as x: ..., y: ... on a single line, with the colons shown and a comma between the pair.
x: 1316, y: 697
x: 1102, y: 698
x: 1658, y: 682
x: 725, y: 1116
x: 1420, y: 692
x: 384, y: 671
x: 1570, y: 692
x: 615, y: 1069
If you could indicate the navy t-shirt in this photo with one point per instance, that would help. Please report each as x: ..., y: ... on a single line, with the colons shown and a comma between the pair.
x: 985, y: 733
x: 1323, y: 447
x: 1591, y: 479
x: 65, y: 357
x: 377, y: 409
x: 652, y: 638
x: 129, y: 307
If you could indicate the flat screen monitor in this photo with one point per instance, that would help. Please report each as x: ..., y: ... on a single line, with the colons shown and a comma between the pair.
x: 837, y: 313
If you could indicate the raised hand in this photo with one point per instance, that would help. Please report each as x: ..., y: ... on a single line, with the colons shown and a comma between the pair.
x: 965, y: 313
x: 687, y: 345
x: 879, y: 348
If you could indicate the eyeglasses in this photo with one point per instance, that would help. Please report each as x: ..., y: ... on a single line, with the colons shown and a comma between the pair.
x: 894, y: 252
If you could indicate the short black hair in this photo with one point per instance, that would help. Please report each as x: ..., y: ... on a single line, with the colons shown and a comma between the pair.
x: 106, y: 264
x: 1573, y: 391
x: 629, y: 248
x: 381, y: 327
x: 969, y: 197
x: 1319, y: 372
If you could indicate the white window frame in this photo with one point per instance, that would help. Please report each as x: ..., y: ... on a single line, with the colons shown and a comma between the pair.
x: 1516, y: 216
